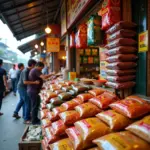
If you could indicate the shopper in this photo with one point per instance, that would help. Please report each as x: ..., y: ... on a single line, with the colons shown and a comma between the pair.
x: 3, y: 84
x: 13, y: 77
x: 33, y: 90
x: 21, y: 101
x: 22, y: 89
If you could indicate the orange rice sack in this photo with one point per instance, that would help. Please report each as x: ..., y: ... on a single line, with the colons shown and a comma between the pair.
x: 50, y: 95
x: 104, y: 100
x: 121, y: 141
x: 56, y: 101
x: 134, y: 97
x: 114, y: 120
x: 46, y: 123
x: 91, y: 128
x: 64, y: 144
x: 51, y: 116
x: 43, y: 113
x: 131, y: 108
x: 69, y: 117
x: 70, y: 105
x: 50, y: 137
x: 58, y: 110
x: 76, y: 139
x: 85, y: 97
x: 58, y: 91
x: 58, y: 127
x: 87, y: 110
x: 141, y: 128
x: 96, y: 92
x: 60, y: 85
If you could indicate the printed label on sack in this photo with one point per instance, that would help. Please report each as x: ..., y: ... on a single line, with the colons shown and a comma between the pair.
x: 110, y: 113
x: 145, y: 123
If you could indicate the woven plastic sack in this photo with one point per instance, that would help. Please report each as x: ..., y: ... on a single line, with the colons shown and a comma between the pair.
x: 87, y: 110
x: 96, y: 92
x: 114, y: 120
x: 121, y: 25
x: 58, y: 110
x: 51, y: 116
x: 104, y: 100
x: 120, y: 72
x: 121, y: 141
x: 141, y: 128
x: 43, y: 113
x: 85, y: 97
x: 56, y: 101
x: 76, y: 139
x: 120, y: 78
x: 69, y: 117
x: 72, y: 40
x: 91, y: 128
x: 121, y: 50
x: 64, y: 144
x: 123, y: 33
x: 131, y: 108
x: 121, y: 65
x: 46, y: 123
x: 64, y: 96
x: 121, y: 57
x: 121, y: 42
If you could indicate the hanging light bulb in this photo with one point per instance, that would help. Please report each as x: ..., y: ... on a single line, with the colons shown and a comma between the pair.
x: 44, y: 51
x: 48, y: 30
x: 42, y: 43
x: 36, y: 46
x: 35, y: 53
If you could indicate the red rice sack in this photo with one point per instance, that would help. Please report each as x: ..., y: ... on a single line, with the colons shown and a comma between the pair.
x: 123, y: 33
x: 50, y: 137
x: 69, y: 117
x: 121, y: 50
x: 50, y: 95
x: 76, y: 139
x: 64, y: 144
x: 70, y: 105
x: 114, y: 120
x: 85, y: 97
x: 58, y: 127
x: 65, y: 96
x: 131, y: 108
x: 135, y: 97
x: 87, y: 110
x: 120, y: 78
x: 121, y: 57
x: 56, y: 101
x: 43, y: 106
x: 104, y: 100
x: 91, y: 128
x: 96, y: 92
x: 51, y: 116
x: 123, y: 85
x: 58, y: 110
x: 141, y: 128
x: 120, y: 72
x: 43, y: 113
x: 121, y: 65
x: 121, y: 42
x: 46, y: 123
x: 121, y: 25
x: 121, y: 141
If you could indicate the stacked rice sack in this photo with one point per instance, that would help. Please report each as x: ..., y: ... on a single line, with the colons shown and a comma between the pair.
x: 121, y: 52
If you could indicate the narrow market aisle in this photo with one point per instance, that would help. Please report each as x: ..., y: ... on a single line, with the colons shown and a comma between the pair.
x: 10, y: 129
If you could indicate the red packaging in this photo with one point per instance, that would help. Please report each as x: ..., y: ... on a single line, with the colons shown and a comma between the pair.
x: 43, y: 113
x: 85, y: 97
x: 58, y: 110
x: 43, y: 106
x: 51, y: 116
x: 96, y: 92
x: 72, y: 40
x: 46, y: 123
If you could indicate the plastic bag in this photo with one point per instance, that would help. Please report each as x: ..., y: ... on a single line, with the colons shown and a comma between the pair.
x: 121, y: 141
x: 121, y: 50
x: 120, y: 78
x: 51, y: 116
x: 87, y: 110
x: 72, y: 40
x: 50, y: 95
x: 66, y: 89
x: 58, y: 110
x: 56, y: 101
x: 76, y: 139
x: 69, y: 117
x: 58, y: 91
x: 120, y: 72
x: 69, y: 83
x: 96, y: 92
x: 135, y: 97
x: 43, y: 106
x: 80, y: 88
x: 123, y: 33
x: 44, y: 144
x: 85, y: 97
x: 121, y: 42
x: 43, y: 113
x: 64, y: 144
x: 91, y: 128
x: 60, y: 85
x: 141, y: 128
x: 58, y: 127
x: 64, y: 96
x: 49, y: 106
x: 114, y: 120
x: 104, y: 100
x: 121, y: 25
x: 121, y: 57
x: 121, y: 65
x: 131, y: 108
x: 81, y: 36
x: 46, y: 123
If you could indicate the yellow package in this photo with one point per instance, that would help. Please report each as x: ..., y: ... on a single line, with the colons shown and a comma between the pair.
x: 64, y: 144
x: 121, y: 141
x: 114, y: 120
x: 92, y: 128
x: 141, y: 128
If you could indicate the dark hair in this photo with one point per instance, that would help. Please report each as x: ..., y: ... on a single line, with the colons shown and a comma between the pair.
x: 20, y: 65
x: 1, y: 61
x: 31, y: 62
x: 40, y: 64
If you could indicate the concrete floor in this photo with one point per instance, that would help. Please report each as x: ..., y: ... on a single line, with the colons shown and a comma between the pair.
x: 10, y: 129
